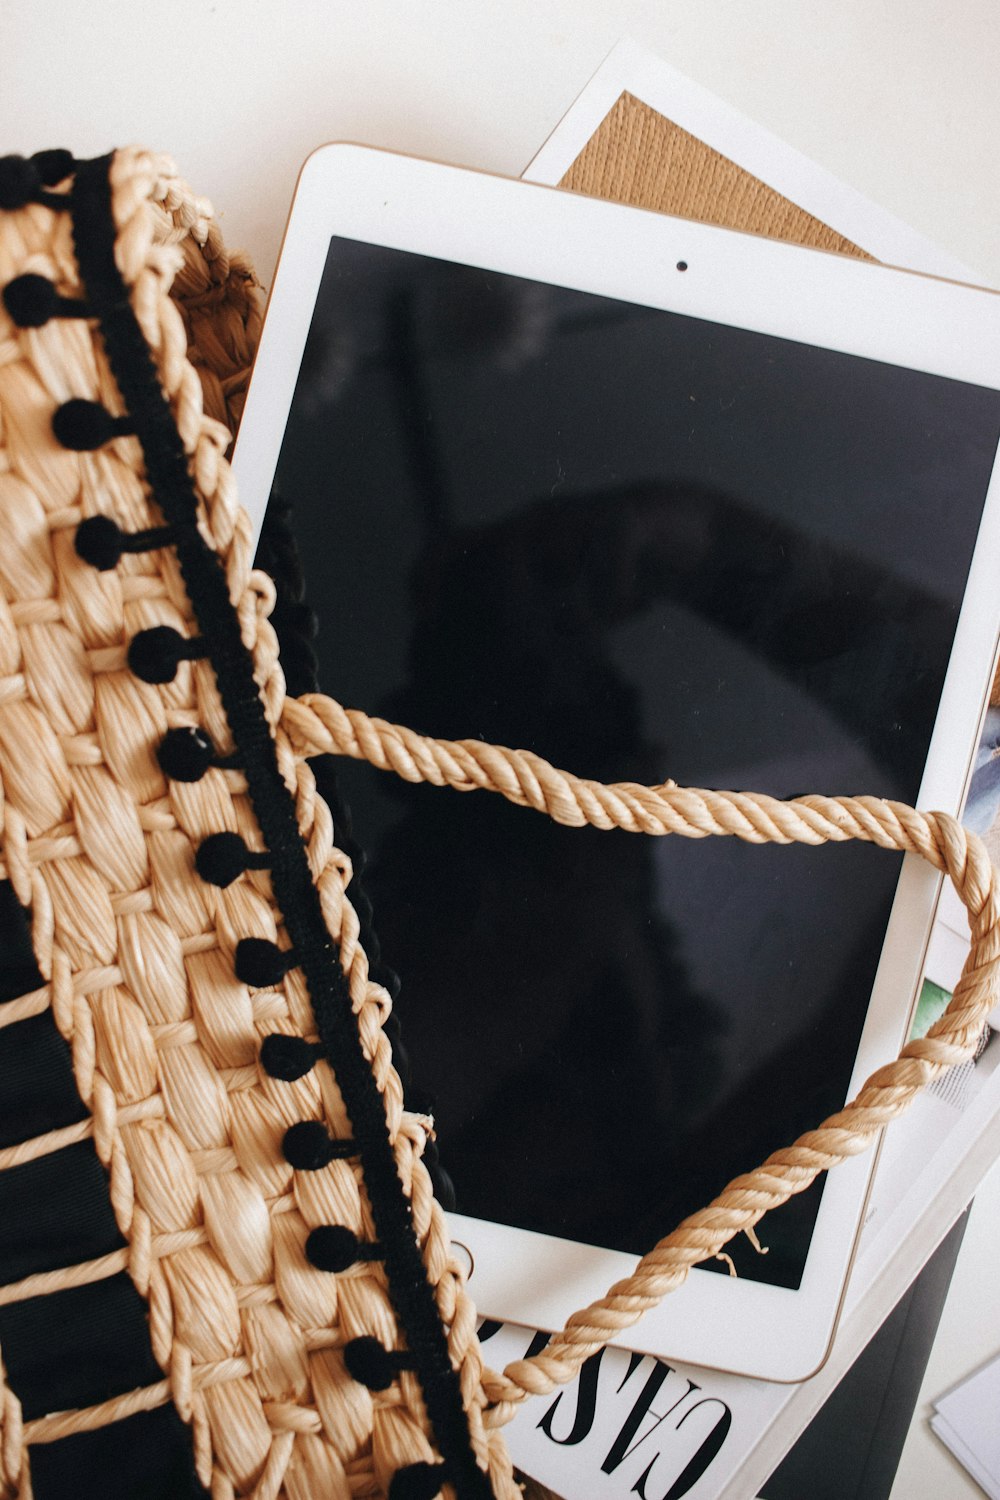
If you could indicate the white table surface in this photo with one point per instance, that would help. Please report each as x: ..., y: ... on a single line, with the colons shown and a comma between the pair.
x: 898, y: 97
x: 968, y: 1335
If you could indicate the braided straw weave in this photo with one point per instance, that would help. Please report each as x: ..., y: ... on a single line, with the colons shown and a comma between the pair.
x: 137, y: 952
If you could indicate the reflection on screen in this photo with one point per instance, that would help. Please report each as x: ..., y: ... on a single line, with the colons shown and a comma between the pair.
x: 644, y: 546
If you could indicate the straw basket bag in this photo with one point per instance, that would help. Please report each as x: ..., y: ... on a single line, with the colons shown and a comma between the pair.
x: 223, y: 1266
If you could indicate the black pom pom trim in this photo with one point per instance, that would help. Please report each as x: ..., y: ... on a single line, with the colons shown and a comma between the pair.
x: 308, y: 1147
x: 54, y: 165
x: 417, y: 1482
x: 99, y: 542
x: 19, y: 182
x: 185, y: 754
x: 261, y: 963
x: 371, y: 1364
x: 421, y: 1101
x: 24, y: 181
x: 83, y: 425
x: 288, y: 1058
x: 221, y: 858
x: 154, y: 654
x: 31, y: 300
x: 444, y: 1188
x: 334, y: 1247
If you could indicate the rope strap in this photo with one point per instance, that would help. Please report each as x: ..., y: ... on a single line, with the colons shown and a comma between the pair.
x: 319, y: 725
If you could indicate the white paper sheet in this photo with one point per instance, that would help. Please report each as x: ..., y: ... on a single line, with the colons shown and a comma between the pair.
x: 634, y: 69
x: 967, y: 1420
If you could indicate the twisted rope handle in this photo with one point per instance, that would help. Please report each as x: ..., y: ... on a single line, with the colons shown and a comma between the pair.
x: 317, y: 724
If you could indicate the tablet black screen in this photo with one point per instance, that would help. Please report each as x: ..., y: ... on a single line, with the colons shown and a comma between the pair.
x: 644, y: 546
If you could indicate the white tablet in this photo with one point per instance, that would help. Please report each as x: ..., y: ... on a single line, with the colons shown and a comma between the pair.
x: 653, y: 500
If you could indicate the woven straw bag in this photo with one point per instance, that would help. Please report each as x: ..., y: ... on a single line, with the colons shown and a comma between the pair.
x: 306, y: 1329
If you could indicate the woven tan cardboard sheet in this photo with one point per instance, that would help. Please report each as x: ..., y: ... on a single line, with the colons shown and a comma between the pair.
x: 638, y: 156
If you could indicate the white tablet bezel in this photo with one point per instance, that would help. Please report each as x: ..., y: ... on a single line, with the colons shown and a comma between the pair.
x: 832, y: 301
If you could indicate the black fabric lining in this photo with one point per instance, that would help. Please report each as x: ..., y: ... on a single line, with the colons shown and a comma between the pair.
x: 71, y: 1349
x: 102, y: 1348
x: 145, y: 1457
x: 37, y: 1088
x: 74, y: 1348
x: 18, y: 970
x: 168, y: 476
x: 54, y: 1212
